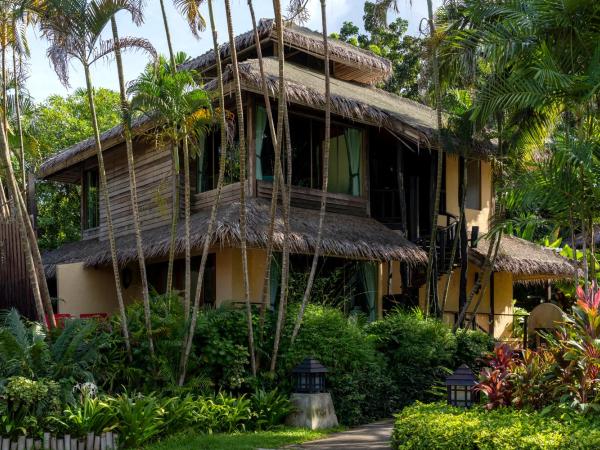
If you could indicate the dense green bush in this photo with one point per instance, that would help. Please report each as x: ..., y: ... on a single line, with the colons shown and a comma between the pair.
x: 438, y: 426
x: 357, y: 378
x: 420, y: 352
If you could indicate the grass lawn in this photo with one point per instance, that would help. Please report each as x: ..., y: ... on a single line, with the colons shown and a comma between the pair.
x: 239, y: 441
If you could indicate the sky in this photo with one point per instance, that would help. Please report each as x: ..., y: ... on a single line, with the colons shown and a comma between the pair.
x: 43, y: 82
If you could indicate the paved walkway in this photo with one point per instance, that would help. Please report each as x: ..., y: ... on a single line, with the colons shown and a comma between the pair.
x: 375, y: 436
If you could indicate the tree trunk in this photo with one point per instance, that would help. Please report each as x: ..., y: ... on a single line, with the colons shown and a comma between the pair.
x: 104, y: 191
x: 187, y: 232
x: 431, y: 283
x: 174, y: 165
x: 189, y: 338
x: 242, y: 150
x: 21, y: 218
x: 126, y: 115
x: 168, y: 35
x: 276, y: 182
x: 326, y: 145
x: 281, y: 110
x: 16, y: 70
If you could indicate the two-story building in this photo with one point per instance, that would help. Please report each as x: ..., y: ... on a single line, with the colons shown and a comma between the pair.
x: 382, y: 174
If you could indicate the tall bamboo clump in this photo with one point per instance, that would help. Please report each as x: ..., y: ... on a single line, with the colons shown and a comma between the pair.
x: 326, y: 146
x: 189, y: 336
x: 128, y: 134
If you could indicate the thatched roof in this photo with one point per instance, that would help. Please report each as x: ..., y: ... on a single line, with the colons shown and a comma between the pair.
x: 524, y: 259
x: 87, y: 148
x: 343, y: 236
x: 350, y: 100
x: 374, y: 68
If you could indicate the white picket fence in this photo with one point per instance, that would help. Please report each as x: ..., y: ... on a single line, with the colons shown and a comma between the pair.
x: 104, y: 441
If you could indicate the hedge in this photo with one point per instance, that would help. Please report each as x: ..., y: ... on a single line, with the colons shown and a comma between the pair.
x: 439, y: 426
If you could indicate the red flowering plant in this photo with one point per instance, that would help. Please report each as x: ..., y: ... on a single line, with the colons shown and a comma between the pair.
x: 495, y: 380
x: 579, y: 338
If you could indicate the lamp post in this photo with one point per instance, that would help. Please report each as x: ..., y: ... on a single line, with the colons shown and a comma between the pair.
x: 313, y: 406
x: 309, y: 377
x: 460, y: 387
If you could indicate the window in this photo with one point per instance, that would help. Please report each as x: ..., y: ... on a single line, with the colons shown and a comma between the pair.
x: 207, y: 163
x: 91, y: 204
x: 473, y: 194
x: 307, y: 136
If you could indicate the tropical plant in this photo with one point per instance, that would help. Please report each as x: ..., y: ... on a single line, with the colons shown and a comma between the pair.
x: 495, y: 381
x: 92, y: 415
x: 269, y: 408
x: 140, y: 417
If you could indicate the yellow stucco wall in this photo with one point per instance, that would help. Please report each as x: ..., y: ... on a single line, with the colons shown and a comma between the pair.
x: 474, y: 217
x: 230, y: 285
x: 87, y: 290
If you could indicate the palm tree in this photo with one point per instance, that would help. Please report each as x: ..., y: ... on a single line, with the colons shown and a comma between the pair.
x: 188, y: 341
x: 182, y: 109
x: 190, y: 9
x: 326, y: 145
x: 73, y: 28
x: 127, y: 132
x: 242, y: 150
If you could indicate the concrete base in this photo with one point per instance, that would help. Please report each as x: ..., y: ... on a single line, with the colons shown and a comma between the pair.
x: 314, y: 411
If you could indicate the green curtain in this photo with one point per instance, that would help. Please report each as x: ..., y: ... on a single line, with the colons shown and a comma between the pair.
x: 369, y: 276
x: 339, y: 167
x: 261, y: 124
x: 275, y: 279
x: 200, y: 167
x: 353, y: 145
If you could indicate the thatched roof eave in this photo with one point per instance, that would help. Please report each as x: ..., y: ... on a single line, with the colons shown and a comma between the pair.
x: 528, y: 262
x: 344, y: 236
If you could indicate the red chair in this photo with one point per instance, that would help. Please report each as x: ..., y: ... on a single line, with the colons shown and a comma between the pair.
x: 60, y: 319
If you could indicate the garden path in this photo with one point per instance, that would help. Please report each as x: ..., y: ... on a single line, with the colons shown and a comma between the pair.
x: 375, y: 436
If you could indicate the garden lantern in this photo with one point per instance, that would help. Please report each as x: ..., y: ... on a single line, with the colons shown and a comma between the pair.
x: 309, y: 377
x: 460, y: 387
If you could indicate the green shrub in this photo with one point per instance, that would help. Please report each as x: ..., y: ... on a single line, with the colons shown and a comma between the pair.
x: 92, y: 415
x: 140, y: 417
x: 357, y: 378
x: 28, y: 406
x: 419, y: 352
x: 438, y: 426
x: 269, y: 408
